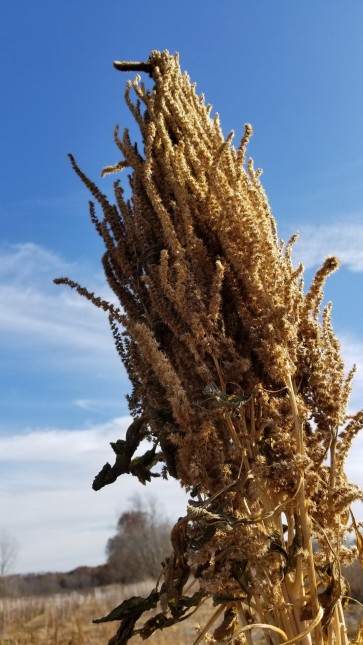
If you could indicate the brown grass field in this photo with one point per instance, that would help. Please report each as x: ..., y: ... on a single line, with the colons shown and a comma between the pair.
x: 66, y: 619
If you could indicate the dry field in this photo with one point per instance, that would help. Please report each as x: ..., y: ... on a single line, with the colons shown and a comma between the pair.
x: 66, y: 619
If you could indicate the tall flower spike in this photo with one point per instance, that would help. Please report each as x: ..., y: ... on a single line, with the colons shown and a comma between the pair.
x: 237, y: 380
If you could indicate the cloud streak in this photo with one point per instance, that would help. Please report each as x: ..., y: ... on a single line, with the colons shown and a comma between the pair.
x: 36, y: 313
x: 343, y: 239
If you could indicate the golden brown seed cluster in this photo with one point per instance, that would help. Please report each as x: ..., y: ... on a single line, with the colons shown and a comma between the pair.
x: 237, y: 375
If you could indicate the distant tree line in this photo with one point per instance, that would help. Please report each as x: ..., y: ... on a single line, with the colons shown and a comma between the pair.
x: 134, y: 553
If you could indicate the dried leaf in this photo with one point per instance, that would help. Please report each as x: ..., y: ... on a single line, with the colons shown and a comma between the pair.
x: 124, y: 450
x: 228, y: 626
x: 160, y: 621
x: 221, y: 599
x: 178, y: 607
x: 132, y: 607
x: 203, y: 515
x: 276, y: 545
x: 141, y: 467
x: 206, y: 536
x: 295, y: 547
x: 239, y: 571
x: 178, y: 537
x: 359, y: 637
x: 329, y: 598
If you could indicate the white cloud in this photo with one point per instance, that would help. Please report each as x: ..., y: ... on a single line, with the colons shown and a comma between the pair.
x: 53, y: 444
x: 35, y: 313
x: 343, y: 239
x: 33, y: 316
x: 87, y: 404
x: 48, y: 502
x: 95, y: 404
x: 21, y: 262
x: 352, y: 351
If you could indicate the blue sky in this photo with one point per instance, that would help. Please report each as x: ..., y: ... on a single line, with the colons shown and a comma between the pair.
x: 292, y: 69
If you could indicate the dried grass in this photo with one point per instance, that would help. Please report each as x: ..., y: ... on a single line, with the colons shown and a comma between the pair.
x: 66, y: 619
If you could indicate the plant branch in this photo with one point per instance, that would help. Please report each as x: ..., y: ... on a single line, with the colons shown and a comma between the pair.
x: 133, y: 66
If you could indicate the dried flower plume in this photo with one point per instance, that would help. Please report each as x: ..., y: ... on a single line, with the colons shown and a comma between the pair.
x: 237, y: 378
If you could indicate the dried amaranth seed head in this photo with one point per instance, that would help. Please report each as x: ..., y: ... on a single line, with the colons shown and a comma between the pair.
x: 237, y: 376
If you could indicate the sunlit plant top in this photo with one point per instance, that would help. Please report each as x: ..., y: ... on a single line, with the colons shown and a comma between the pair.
x: 237, y: 380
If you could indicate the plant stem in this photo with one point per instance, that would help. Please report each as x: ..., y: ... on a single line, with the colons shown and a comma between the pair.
x: 132, y: 66
x: 303, y: 512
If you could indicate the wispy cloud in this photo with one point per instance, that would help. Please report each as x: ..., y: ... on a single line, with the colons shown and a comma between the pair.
x: 56, y: 348
x: 35, y: 312
x: 48, y: 501
x: 23, y: 262
x: 88, y: 404
x: 352, y: 351
x: 343, y: 239
x: 53, y: 444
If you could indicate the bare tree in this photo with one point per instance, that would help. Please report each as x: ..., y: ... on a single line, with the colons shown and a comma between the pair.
x: 8, y: 552
x: 141, y: 543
